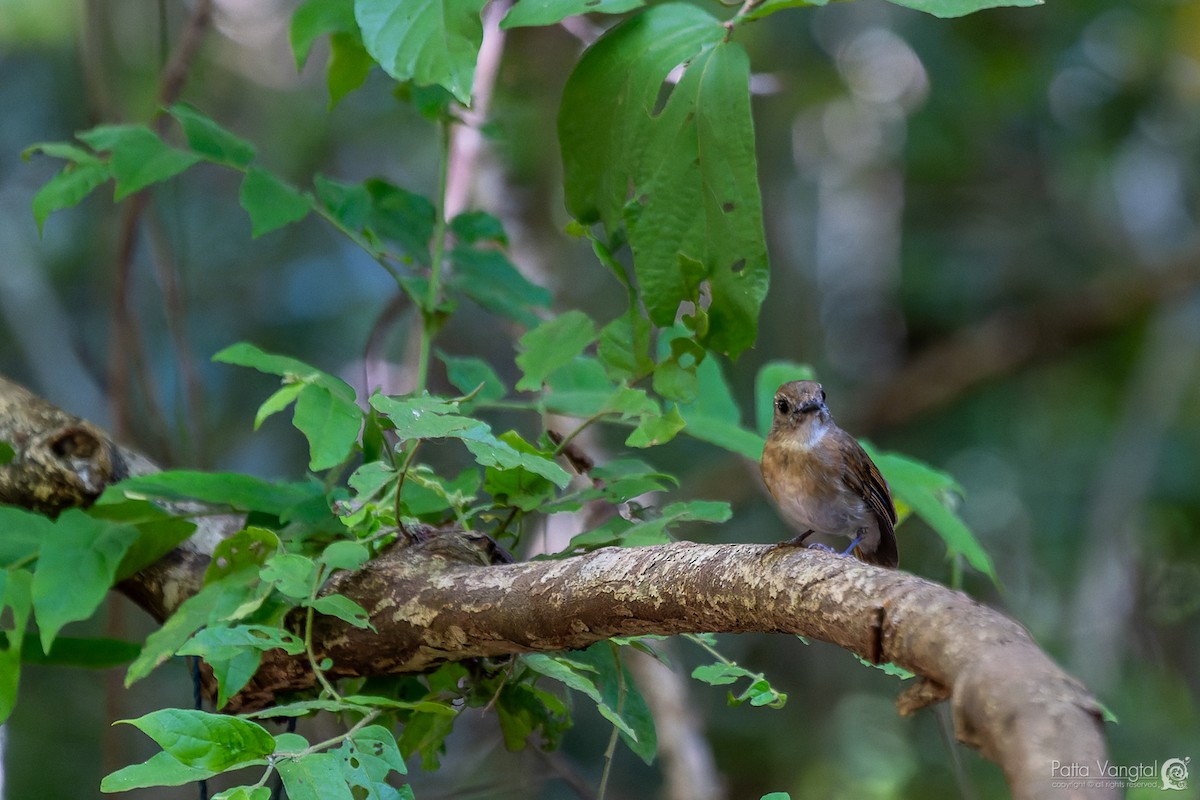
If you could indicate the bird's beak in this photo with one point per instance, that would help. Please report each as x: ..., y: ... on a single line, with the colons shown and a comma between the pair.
x: 811, y: 405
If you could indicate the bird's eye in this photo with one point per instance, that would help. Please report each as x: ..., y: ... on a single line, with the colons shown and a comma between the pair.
x: 783, y: 405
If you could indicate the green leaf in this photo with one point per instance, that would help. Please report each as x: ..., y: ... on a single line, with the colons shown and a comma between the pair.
x: 888, y: 669
x: 621, y: 532
x: 16, y: 603
x: 331, y: 424
x: 471, y: 227
x: 349, y: 65
x: 428, y: 417
x: 161, y: 769
x: 244, y: 793
x: 101, y: 653
x: 249, y: 547
x: 238, y: 491
x: 656, y: 429
x: 316, y: 776
x: 345, y: 609
x: 345, y: 555
x: 930, y: 493
x: 230, y: 597
x: 425, y: 41
x: 64, y: 150
x: 771, y: 6
x: 205, y: 741
x: 720, y: 674
x: 367, y: 758
x: 290, y: 573
x: 714, y: 416
x: 624, y: 347
x: 518, y: 487
x: 315, y: 18
x: 7, y: 453
x: 207, y: 138
x: 491, y: 281
x: 270, y: 202
x: 354, y: 702
x: 66, y: 189
x: 691, y: 166
x: 959, y: 8
x: 226, y: 641
x: 776, y: 796
x: 579, y: 388
x: 77, y: 564
x: 290, y: 369
x: 467, y: 374
x: 403, y: 217
x: 551, y: 12
x: 618, y: 690
x: 770, y: 377
x: 349, y: 203
x: 139, y: 157
x: 551, y: 345
x: 159, y: 532
x: 21, y: 534
x: 277, y: 402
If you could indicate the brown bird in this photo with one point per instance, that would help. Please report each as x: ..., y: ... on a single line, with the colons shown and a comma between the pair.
x: 823, y: 481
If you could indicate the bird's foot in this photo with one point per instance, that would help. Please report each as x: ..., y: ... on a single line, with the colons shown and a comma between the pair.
x: 850, y: 550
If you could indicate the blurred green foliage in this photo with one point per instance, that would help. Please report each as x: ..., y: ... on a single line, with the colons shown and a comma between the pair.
x: 920, y: 177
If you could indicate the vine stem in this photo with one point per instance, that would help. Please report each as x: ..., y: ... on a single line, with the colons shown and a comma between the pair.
x: 428, y: 312
x: 611, y: 751
x: 308, y: 648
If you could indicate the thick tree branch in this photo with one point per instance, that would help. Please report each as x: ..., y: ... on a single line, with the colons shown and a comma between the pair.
x: 429, y: 605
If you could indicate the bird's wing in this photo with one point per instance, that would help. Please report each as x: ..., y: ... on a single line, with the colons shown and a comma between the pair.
x: 874, y: 489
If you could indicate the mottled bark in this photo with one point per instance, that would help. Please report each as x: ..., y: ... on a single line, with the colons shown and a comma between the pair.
x: 429, y: 605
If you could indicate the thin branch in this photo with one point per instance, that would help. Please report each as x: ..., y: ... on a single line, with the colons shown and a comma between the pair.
x: 1012, y: 338
x: 127, y: 341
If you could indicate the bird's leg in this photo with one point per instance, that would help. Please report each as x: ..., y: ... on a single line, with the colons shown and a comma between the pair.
x: 853, y: 544
x: 796, y: 541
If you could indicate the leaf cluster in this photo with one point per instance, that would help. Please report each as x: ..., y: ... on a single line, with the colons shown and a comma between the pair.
x: 660, y: 177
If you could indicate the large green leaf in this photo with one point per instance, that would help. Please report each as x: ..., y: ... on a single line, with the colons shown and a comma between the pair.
x: 139, y: 157
x: 930, y: 494
x: 551, y: 12
x: 76, y: 566
x: 203, y: 740
x: 700, y: 204
x: 424, y: 41
x: 240, y: 492
x: 161, y: 769
x: 697, y: 214
x: 958, y: 8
